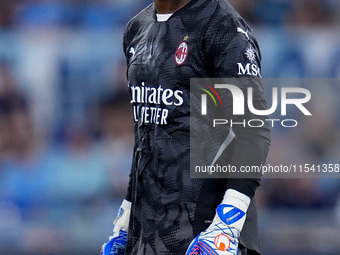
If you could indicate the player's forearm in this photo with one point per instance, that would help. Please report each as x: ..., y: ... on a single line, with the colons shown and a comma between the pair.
x: 250, y: 150
x: 129, y: 189
x: 245, y: 186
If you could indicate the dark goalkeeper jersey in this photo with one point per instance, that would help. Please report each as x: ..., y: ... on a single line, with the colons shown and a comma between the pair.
x: 206, y: 38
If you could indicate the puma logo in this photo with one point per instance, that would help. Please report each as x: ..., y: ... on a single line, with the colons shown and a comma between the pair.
x: 240, y: 30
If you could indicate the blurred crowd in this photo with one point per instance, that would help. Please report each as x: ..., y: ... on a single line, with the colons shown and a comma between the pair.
x: 61, y: 13
x: 66, y: 131
x: 107, y: 13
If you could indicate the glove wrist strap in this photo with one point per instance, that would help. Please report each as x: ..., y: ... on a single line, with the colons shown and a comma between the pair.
x: 123, y: 218
x: 236, y: 199
x: 232, y: 210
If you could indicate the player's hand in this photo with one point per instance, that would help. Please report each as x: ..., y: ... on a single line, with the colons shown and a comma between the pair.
x: 221, y: 237
x: 116, y: 245
x: 216, y: 239
x: 117, y: 242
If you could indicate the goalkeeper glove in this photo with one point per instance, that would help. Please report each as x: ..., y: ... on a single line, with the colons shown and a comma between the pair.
x: 117, y: 242
x: 221, y: 237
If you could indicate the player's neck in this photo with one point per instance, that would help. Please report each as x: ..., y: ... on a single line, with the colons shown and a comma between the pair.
x: 169, y: 6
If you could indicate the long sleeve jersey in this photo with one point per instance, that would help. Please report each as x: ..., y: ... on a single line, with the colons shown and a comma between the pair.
x: 206, y: 38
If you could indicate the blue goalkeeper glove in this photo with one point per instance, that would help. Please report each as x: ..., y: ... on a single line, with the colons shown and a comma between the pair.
x: 117, y: 242
x: 221, y: 237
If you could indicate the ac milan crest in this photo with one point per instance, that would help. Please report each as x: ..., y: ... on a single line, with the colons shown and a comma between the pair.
x: 181, y: 53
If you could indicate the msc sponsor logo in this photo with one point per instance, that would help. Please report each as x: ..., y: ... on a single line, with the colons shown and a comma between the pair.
x: 249, y: 69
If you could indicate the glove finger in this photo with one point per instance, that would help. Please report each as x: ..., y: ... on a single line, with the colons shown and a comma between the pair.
x: 106, y: 247
x: 205, y: 249
x: 119, y: 245
x: 116, y: 246
x: 194, y: 248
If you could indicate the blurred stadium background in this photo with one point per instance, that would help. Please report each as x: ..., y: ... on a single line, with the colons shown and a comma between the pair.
x: 66, y: 131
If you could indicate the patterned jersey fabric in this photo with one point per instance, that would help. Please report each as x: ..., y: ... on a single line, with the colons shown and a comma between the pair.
x: 206, y: 38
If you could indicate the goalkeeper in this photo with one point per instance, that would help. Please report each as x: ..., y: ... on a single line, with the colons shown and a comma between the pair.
x: 165, y: 211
